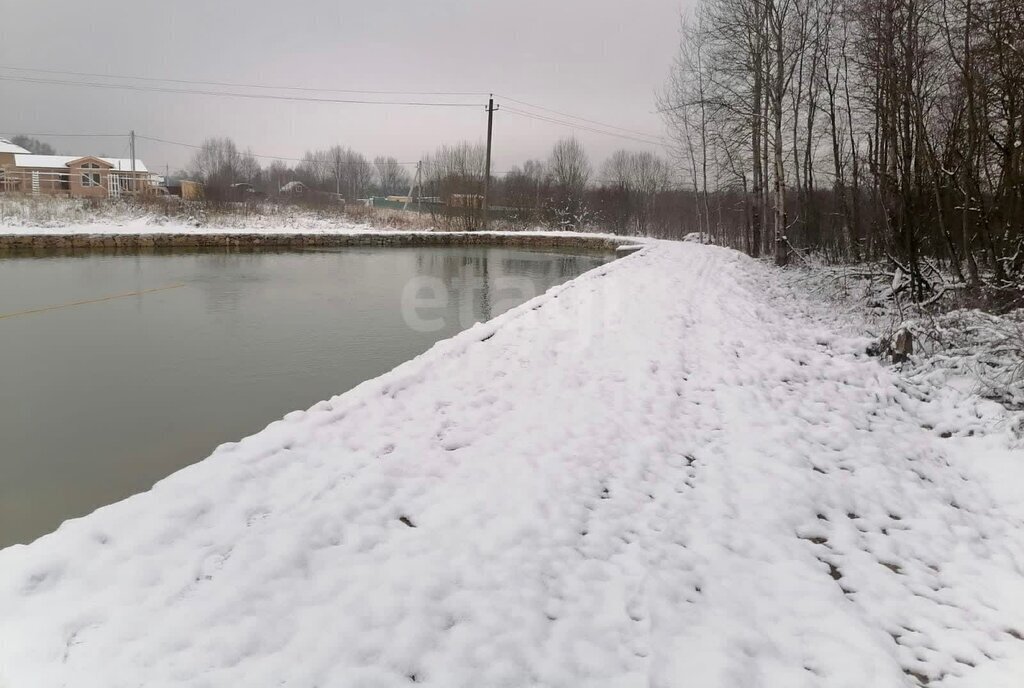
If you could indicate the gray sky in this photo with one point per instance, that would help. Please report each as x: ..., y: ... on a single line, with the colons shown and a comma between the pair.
x: 599, y: 59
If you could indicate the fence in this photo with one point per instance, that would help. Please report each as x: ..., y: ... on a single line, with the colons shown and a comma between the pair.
x: 113, y: 183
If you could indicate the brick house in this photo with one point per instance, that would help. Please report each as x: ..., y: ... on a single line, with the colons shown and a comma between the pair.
x: 7, y: 152
x: 70, y: 175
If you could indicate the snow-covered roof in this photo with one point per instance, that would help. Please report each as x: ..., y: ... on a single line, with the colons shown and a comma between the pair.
x: 59, y: 161
x: 8, y: 147
x: 126, y: 164
x: 44, y: 160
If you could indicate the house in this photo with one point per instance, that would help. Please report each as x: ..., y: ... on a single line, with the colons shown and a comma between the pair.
x: 8, y: 151
x: 70, y: 175
x: 294, y: 188
x: 241, y: 191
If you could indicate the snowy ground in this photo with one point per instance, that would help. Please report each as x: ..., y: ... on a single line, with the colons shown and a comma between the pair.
x: 954, y: 343
x: 297, y: 223
x: 61, y: 216
x: 57, y: 215
x: 668, y: 472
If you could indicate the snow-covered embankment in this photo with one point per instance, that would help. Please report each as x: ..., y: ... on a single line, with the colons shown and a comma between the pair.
x: 663, y: 473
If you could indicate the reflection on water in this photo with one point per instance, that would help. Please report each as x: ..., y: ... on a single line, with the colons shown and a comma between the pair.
x: 99, y: 400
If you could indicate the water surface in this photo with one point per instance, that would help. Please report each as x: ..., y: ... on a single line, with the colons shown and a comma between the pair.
x: 99, y: 399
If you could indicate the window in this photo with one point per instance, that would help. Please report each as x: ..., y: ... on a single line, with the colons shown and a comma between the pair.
x: 90, y: 174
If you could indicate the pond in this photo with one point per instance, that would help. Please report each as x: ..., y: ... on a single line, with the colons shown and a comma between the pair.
x: 118, y: 369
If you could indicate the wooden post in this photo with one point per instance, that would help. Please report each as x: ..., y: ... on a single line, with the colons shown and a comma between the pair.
x: 132, y: 146
x: 487, y: 172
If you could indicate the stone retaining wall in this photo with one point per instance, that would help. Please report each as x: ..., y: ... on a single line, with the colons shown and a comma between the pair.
x: 143, y: 242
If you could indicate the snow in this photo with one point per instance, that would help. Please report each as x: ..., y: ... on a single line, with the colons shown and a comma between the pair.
x: 293, y: 187
x: 668, y: 472
x: 954, y: 346
x: 7, y: 147
x: 59, y: 161
x: 56, y: 216
x: 300, y: 223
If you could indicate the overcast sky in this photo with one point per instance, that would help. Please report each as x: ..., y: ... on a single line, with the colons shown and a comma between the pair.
x: 600, y: 59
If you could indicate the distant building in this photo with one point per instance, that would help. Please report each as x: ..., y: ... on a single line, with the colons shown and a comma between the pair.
x: 294, y: 189
x: 173, y: 186
x: 241, y: 191
x: 466, y: 201
x: 191, y: 191
x: 70, y: 175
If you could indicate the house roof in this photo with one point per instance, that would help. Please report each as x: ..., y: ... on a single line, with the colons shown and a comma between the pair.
x: 59, y: 161
x: 78, y: 162
x: 8, y: 147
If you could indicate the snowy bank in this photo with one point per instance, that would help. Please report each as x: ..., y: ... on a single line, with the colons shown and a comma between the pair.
x: 954, y: 343
x: 666, y: 472
x: 211, y: 239
x: 116, y: 227
x: 58, y: 215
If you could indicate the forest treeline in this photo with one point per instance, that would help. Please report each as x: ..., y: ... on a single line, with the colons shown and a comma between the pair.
x: 629, y: 193
x: 864, y: 129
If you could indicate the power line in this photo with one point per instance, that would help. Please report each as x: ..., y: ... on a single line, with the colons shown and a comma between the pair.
x: 631, y: 134
x: 583, y: 119
x: 584, y: 127
x: 89, y: 136
x: 245, y: 85
x: 230, y: 94
x: 574, y: 125
x: 306, y: 89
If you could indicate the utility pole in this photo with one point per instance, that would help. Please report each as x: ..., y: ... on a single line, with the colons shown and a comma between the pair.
x: 487, y: 175
x: 414, y: 185
x: 132, y: 146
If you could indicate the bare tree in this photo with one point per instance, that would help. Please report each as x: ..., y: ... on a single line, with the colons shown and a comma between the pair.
x: 338, y: 170
x: 569, y: 169
x: 924, y: 114
x: 392, y: 178
x: 315, y: 170
x: 455, y: 174
x: 32, y: 145
x: 218, y: 164
x: 277, y: 175
x: 633, y: 182
x: 249, y: 169
x: 523, y: 189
